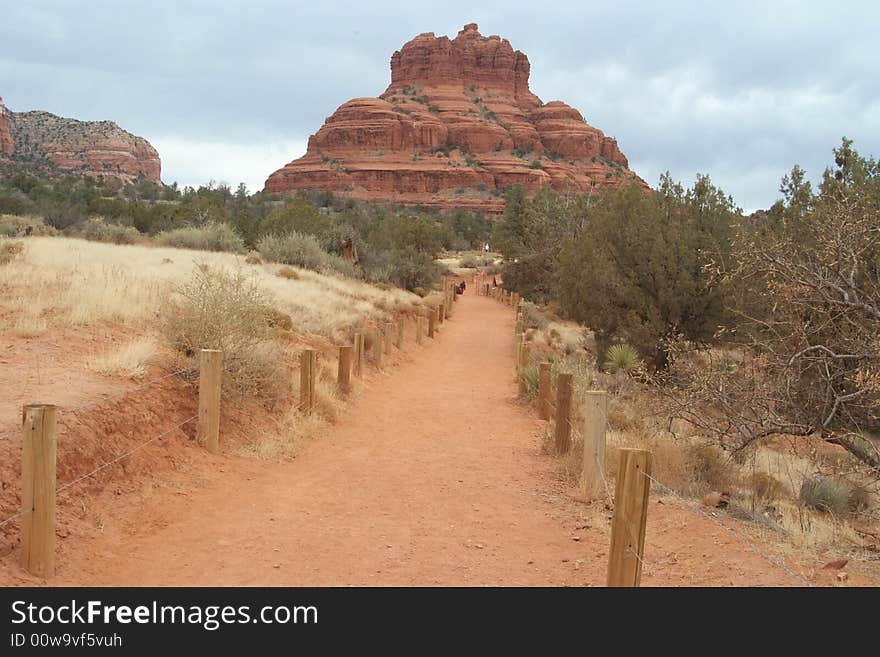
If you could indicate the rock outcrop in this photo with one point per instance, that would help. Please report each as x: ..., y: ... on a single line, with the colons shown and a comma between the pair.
x: 456, y: 126
x: 40, y: 142
x: 5, y: 136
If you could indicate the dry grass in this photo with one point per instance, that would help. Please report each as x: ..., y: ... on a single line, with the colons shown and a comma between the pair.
x: 76, y: 282
x: 129, y: 360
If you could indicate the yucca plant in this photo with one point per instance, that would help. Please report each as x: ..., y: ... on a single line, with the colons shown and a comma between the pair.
x: 531, y: 374
x: 621, y: 359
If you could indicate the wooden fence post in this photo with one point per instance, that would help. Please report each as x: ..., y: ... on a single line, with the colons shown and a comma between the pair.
x: 544, y: 391
x: 563, y: 413
x: 38, y: 445
x: 522, y: 363
x: 441, y: 312
x: 343, y: 375
x: 420, y: 327
x: 359, y: 355
x: 595, y: 409
x: 432, y: 322
x: 389, y: 337
x: 210, y: 376
x: 378, y: 343
x: 400, y: 332
x: 308, y: 372
x: 630, y: 515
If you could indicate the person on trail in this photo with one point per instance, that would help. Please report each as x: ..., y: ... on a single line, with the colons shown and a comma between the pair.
x: 494, y: 282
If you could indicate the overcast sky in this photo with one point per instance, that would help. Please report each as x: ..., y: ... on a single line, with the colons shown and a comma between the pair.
x: 231, y: 90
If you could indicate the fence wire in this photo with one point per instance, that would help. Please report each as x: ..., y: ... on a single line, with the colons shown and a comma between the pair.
x: 111, y: 398
x: 115, y: 460
x: 736, y: 535
x: 693, y: 507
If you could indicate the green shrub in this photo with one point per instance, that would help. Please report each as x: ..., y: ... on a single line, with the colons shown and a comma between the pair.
x: 621, y: 358
x: 212, y: 236
x: 303, y: 251
x: 97, y: 230
x: 834, y: 495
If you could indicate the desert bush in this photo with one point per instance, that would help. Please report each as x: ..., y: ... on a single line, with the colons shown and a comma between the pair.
x: 303, y: 251
x: 621, y: 359
x: 288, y: 272
x: 253, y: 259
x: 709, y: 467
x: 98, y: 230
x: 14, y: 226
x: 10, y: 250
x: 217, y: 309
x: 212, y: 236
x: 532, y: 317
x: 835, y: 495
x: 765, y: 487
x: 472, y: 261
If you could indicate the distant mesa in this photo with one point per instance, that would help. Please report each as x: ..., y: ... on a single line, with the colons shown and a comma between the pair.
x: 50, y: 145
x: 456, y: 126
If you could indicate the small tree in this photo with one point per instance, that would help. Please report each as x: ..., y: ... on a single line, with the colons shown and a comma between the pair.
x: 805, y: 287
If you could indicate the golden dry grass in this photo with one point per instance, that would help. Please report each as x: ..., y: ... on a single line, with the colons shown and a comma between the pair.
x: 129, y: 360
x: 60, y: 282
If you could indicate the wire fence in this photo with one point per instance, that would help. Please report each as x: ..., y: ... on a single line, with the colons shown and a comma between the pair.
x: 93, y: 404
x: 112, y: 398
x: 103, y: 466
x: 730, y: 530
x: 739, y: 537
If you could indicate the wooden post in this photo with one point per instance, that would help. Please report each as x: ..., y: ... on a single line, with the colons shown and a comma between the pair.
x: 630, y: 514
x: 420, y: 328
x: 343, y: 376
x: 210, y: 375
x: 595, y: 409
x: 389, y: 337
x: 38, y: 440
x: 377, y: 349
x: 400, y: 333
x: 522, y: 363
x: 563, y: 413
x: 308, y: 372
x: 432, y: 322
x: 359, y: 355
x: 544, y: 391
x: 441, y: 312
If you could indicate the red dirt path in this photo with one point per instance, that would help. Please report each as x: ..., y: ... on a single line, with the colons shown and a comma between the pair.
x: 434, y: 477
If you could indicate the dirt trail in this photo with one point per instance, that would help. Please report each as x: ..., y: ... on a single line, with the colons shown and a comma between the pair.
x: 434, y: 477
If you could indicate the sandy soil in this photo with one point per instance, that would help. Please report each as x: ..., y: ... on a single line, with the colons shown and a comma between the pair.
x: 434, y: 477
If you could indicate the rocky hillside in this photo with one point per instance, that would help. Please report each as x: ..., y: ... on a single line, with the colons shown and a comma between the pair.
x: 41, y: 142
x: 456, y: 126
x: 5, y: 136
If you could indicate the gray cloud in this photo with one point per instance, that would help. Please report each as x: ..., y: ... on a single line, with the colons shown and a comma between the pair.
x: 740, y: 91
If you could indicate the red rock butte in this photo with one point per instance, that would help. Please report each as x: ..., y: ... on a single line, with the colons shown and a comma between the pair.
x: 6, y: 146
x: 456, y: 126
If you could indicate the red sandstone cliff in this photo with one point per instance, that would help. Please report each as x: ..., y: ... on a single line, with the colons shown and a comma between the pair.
x: 44, y: 143
x: 5, y: 135
x: 456, y: 126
